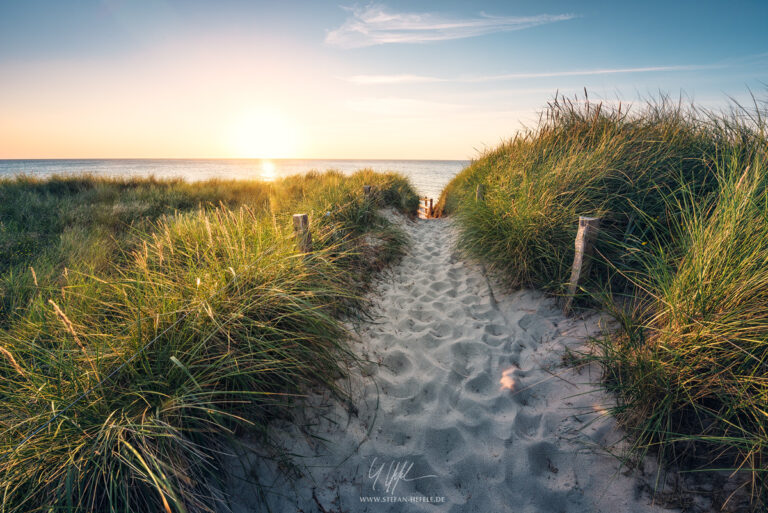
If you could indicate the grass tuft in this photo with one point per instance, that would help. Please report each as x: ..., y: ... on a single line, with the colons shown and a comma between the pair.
x: 682, y: 262
x: 191, y: 308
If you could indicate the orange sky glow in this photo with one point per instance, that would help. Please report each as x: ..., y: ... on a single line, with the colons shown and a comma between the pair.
x: 231, y: 79
x: 213, y: 103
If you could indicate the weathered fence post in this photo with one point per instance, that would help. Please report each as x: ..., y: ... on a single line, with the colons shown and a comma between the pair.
x: 480, y: 192
x: 431, y: 208
x: 585, y: 243
x: 303, y: 235
x: 367, y: 190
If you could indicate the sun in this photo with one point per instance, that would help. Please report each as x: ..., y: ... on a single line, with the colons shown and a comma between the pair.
x: 264, y: 134
x: 268, y: 171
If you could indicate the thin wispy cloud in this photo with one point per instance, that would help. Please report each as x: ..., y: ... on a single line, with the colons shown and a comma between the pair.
x: 392, y: 106
x: 374, y: 24
x: 393, y: 79
x: 412, y: 79
x: 387, y: 109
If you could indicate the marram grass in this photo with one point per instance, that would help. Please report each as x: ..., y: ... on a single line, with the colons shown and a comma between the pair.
x: 691, y: 363
x: 245, y: 325
x: 682, y: 263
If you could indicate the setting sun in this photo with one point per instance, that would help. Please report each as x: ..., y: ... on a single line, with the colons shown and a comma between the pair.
x: 267, y: 170
x: 263, y: 134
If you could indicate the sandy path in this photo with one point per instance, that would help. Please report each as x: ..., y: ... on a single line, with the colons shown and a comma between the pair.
x: 470, y: 406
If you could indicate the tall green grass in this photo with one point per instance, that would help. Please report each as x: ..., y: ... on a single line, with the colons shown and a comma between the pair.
x: 681, y: 261
x: 244, y: 326
x: 582, y: 159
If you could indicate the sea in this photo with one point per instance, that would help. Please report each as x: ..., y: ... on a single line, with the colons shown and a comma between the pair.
x: 427, y: 176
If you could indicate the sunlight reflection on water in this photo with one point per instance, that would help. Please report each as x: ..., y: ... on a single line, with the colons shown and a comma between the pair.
x: 267, y: 170
x: 428, y: 176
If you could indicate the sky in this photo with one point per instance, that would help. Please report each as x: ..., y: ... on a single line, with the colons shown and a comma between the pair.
x: 330, y: 79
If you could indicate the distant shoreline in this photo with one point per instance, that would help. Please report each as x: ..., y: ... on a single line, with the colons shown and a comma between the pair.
x: 231, y: 159
x: 427, y: 176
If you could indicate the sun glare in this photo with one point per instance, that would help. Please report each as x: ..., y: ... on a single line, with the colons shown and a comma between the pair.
x: 267, y: 170
x: 264, y: 134
x: 507, y: 380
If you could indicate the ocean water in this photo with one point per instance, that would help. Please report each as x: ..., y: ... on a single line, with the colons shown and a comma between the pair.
x: 428, y: 176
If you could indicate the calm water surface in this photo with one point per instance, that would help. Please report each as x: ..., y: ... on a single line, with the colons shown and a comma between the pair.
x: 428, y: 176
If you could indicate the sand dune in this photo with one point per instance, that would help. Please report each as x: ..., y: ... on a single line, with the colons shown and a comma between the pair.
x: 467, y: 404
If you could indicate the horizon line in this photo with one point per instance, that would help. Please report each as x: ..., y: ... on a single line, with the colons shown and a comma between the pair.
x: 233, y: 158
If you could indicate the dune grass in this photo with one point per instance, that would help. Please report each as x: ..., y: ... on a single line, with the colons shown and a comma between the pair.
x: 583, y: 159
x: 192, y: 307
x: 691, y: 362
x: 682, y: 262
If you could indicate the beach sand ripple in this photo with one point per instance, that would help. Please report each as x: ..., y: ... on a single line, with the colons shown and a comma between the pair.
x: 469, y: 394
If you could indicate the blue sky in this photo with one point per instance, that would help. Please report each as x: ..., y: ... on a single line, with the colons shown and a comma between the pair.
x: 119, y: 78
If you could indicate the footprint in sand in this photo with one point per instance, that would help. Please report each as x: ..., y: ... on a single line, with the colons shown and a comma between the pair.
x: 397, y: 362
x: 421, y: 314
x: 460, y: 398
x: 539, y: 328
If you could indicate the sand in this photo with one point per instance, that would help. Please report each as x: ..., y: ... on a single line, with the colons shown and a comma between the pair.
x: 467, y: 405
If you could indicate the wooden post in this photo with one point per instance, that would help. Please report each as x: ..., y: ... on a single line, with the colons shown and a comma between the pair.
x: 585, y: 243
x: 303, y: 235
x: 367, y: 190
x: 431, y: 208
x: 480, y: 192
